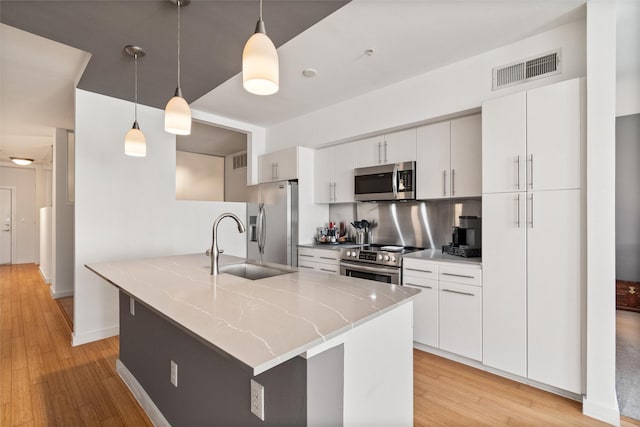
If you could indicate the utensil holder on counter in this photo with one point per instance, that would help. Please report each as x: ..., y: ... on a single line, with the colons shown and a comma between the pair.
x: 360, y: 237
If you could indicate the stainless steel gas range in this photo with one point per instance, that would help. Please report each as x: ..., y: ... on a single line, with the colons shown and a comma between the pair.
x: 382, y: 263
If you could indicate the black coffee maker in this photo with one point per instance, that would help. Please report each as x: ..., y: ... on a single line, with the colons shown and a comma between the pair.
x: 466, y: 240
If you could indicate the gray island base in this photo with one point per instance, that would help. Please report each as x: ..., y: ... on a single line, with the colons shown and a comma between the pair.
x: 326, y: 349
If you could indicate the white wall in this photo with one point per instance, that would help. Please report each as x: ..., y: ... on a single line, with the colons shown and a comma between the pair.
x: 199, y: 177
x: 126, y: 206
x: 63, y: 221
x: 235, y: 181
x: 627, y: 57
x: 600, y: 400
x: 23, y: 178
x: 46, y: 243
x: 457, y: 87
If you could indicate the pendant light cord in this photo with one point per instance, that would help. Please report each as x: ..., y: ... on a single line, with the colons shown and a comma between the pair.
x: 261, y: 10
x: 179, y: 4
x: 135, y: 85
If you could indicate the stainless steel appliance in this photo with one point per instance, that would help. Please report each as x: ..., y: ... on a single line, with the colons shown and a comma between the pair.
x: 382, y: 263
x: 386, y: 182
x: 272, y: 219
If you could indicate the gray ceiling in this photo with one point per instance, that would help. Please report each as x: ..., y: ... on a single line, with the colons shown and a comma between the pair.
x: 213, y: 36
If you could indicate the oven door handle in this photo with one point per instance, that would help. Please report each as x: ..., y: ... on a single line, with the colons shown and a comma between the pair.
x: 363, y: 267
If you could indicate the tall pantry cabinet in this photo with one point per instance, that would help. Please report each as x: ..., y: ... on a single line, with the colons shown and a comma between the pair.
x: 532, y: 246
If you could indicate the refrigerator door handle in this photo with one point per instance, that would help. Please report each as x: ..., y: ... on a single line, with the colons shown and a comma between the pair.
x: 263, y: 228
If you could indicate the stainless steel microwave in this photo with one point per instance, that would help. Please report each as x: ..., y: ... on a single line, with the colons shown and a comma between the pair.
x: 386, y: 182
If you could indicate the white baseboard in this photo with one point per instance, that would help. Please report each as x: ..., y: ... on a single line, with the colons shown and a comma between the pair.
x: 60, y: 294
x: 79, y: 339
x: 610, y: 415
x: 44, y: 276
x: 141, y: 396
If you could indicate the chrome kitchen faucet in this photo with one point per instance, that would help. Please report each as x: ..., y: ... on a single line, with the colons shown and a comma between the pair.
x: 214, y: 252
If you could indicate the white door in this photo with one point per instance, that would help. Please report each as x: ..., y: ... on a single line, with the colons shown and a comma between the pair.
x: 466, y: 156
x: 460, y: 319
x: 554, y: 140
x: 5, y: 225
x: 504, y: 282
x: 504, y: 144
x: 554, y: 288
x: 433, y: 149
x: 425, y: 310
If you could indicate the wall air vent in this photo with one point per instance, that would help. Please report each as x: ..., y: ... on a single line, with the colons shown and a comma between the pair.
x: 529, y: 69
x: 240, y: 161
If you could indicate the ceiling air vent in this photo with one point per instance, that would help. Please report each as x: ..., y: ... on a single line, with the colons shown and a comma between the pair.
x: 529, y: 69
x: 240, y: 161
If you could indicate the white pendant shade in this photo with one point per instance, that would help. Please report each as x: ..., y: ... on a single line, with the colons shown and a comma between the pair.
x: 260, y: 74
x: 177, y: 116
x: 135, y: 144
x: 22, y: 161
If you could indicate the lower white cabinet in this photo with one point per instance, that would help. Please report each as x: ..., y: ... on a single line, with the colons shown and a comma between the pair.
x: 460, y: 315
x: 327, y: 260
x: 447, y: 314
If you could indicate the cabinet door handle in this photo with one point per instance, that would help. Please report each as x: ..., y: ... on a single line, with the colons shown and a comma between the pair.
x: 334, y: 191
x: 459, y: 275
x: 453, y: 182
x: 531, y: 207
x: 415, y: 269
x: 306, y: 266
x: 385, y: 152
x: 326, y: 269
x: 444, y: 182
x: 305, y: 255
x: 379, y: 152
x: 531, y: 171
x: 517, y: 221
x: 458, y: 292
x: 328, y: 257
x: 517, y: 172
x: 419, y: 286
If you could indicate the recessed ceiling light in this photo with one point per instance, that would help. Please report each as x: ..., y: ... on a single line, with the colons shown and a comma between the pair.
x: 369, y: 52
x: 309, y: 72
x: 22, y: 161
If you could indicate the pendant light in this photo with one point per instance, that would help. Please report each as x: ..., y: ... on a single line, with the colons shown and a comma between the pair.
x: 22, y: 161
x: 177, y: 114
x: 135, y: 143
x: 260, y: 70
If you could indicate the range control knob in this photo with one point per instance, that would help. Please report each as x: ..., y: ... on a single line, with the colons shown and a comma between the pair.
x: 348, y: 253
x: 380, y: 257
x: 386, y: 257
x: 354, y: 254
x: 393, y: 258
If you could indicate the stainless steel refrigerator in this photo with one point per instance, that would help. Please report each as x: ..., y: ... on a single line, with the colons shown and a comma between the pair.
x: 272, y: 218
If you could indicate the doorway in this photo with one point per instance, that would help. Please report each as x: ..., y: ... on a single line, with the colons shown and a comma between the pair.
x: 7, y: 219
x: 627, y: 287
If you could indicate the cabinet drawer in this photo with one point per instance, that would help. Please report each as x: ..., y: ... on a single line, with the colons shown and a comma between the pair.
x: 419, y: 282
x: 328, y: 268
x: 463, y: 275
x: 417, y: 268
x: 306, y: 253
x: 327, y: 256
x: 306, y: 263
x: 460, y: 319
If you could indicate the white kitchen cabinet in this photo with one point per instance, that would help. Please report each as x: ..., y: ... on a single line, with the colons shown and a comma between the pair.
x: 326, y: 260
x: 532, y: 235
x: 449, y: 159
x: 460, y: 319
x: 334, y: 173
x: 279, y: 165
x: 434, y: 161
x: 554, y: 291
x: 424, y: 276
x: 504, y: 269
x: 394, y: 147
x: 533, y: 140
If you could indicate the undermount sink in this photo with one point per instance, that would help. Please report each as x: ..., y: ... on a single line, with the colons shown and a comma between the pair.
x: 253, y: 271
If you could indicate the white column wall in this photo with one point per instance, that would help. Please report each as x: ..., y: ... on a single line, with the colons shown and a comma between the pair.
x: 600, y: 400
x: 126, y: 207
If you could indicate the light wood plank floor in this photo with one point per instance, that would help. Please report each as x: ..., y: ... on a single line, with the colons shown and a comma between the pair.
x: 46, y: 382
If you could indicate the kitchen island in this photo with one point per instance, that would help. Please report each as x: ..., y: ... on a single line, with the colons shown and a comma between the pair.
x: 327, y: 349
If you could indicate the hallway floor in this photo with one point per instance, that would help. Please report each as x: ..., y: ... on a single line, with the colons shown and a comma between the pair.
x: 628, y: 362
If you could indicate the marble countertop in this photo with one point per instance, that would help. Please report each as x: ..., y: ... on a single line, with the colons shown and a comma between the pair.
x: 437, y: 255
x: 260, y: 323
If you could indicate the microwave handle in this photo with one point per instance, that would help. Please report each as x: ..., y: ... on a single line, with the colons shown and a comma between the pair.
x: 394, y: 183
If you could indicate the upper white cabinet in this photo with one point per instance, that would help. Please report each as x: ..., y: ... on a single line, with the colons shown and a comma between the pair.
x: 334, y: 173
x: 280, y: 165
x: 391, y: 148
x: 449, y: 159
x: 532, y: 140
